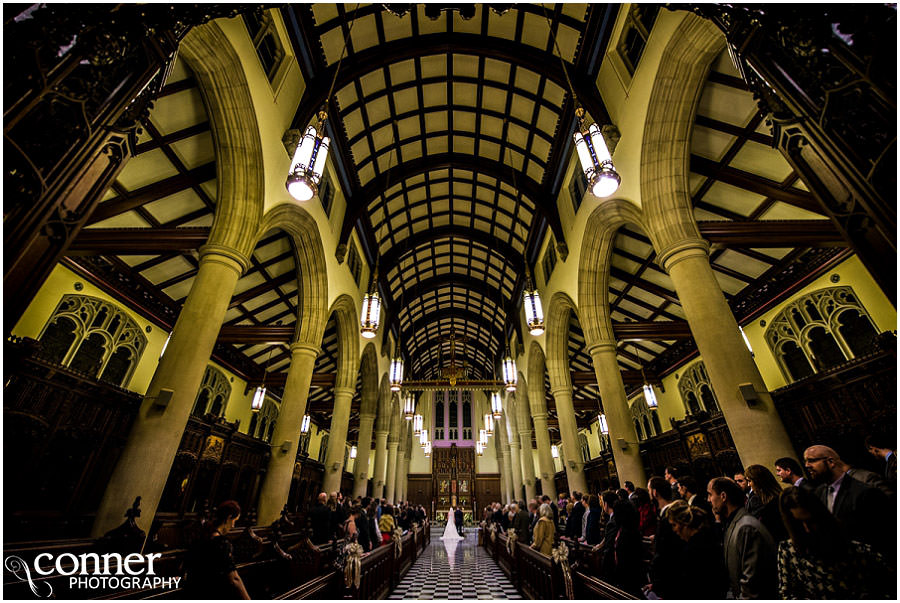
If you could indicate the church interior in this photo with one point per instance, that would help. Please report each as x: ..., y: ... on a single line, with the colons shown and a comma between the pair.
x: 437, y: 258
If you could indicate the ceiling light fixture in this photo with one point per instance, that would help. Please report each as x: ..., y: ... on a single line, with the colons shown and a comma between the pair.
x: 308, y: 161
x: 596, y: 160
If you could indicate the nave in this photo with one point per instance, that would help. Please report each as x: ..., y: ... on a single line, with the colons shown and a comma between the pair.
x: 455, y: 569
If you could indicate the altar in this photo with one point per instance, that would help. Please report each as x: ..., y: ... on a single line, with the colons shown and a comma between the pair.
x: 453, y: 474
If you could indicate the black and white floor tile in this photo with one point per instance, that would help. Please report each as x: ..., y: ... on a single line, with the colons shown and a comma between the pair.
x: 455, y: 570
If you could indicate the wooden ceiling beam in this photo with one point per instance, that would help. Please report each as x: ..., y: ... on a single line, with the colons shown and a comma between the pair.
x: 249, y: 294
x: 772, y: 233
x: 137, y: 241
x: 753, y: 183
x: 410, y: 244
x: 241, y: 334
x: 629, y: 377
x: 652, y: 330
x: 153, y: 192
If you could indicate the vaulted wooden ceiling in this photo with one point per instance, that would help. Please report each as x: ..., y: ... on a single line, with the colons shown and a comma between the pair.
x: 451, y: 134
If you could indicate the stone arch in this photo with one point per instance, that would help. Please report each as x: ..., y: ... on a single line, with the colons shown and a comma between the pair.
x: 312, y: 277
x: 594, y: 262
x: 665, y: 152
x: 239, y: 158
x: 345, y: 314
x: 368, y: 368
x: 557, y: 321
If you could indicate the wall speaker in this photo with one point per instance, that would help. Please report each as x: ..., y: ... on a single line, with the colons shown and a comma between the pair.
x: 164, y: 397
x: 285, y: 446
x: 748, y: 394
x: 622, y: 443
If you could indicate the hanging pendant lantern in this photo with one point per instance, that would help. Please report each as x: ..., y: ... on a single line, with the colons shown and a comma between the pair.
x: 396, y: 373
x: 496, y: 405
x: 509, y: 373
x: 371, y: 314
x: 596, y: 162
x: 304, y: 425
x: 482, y: 437
x: 258, y: 397
x: 489, y: 424
x: 353, y: 452
x: 308, y: 162
x: 417, y: 425
x: 534, y: 313
x: 479, y: 449
x: 650, y: 396
x: 423, y: 438
x: 428, y: 450
x: 604, y: 426
x: 409, y: 406
x: 554, y: 451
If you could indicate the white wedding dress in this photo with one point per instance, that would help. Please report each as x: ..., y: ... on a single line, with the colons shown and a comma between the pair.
x: 450, y: 532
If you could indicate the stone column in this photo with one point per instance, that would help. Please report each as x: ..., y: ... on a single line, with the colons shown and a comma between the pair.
x: 568, y: 428
x: 144, y: 465
x: 391, y: 481
x: 402, y: 447
x: 379, y: 473
x: 515, y: 457
x: 615, y: 404
x: 537, y: 400
x: 502, y: 439
x: 277, y: 485
x: 545, y: 459
x: 523, y: 426
x: 403, y: 480
x: 337, y: 439
x: 364, y: 447
x: 757, y: 431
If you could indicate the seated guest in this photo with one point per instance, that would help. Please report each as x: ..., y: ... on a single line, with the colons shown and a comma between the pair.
x: 865, y: 511
x: 691, y: 494
x: 386, y: 524
x: 702, y: 565
x: 544, y: 531
x: 791, y: 473
x: 646, y: 512
x: 819, y: 561
x: 747, y: 544
x: 210, y: 569
x: 767, y: 489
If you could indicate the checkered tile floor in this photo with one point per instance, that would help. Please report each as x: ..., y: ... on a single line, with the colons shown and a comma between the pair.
x: 454, y: 570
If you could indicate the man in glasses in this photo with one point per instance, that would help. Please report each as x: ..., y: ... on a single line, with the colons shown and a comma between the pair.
x: 862, y: 509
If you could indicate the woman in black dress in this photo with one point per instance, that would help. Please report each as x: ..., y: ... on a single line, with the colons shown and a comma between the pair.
x: 210, y: 568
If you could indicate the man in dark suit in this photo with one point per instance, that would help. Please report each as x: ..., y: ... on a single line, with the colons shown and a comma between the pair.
x: 790, y: 472
x: 608, y: 559
x: 865, y: 511
x: 320, y: 518
x: 668, y: 547
x: 497, y: 517
x: 458, y: 518
x: 573, y: 521
x: 363, y: 525
x: 881, y: 448
x: 691, y: 494
x: 533, y: 514
x: 521, y: 523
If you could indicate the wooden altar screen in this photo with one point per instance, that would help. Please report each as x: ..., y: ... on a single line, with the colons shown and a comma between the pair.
x: 453, y: 471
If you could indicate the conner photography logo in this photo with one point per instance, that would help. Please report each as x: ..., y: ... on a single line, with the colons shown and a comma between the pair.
x: 89, y: 571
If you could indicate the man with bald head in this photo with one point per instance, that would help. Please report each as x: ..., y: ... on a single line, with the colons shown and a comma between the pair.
x: 862, y: 509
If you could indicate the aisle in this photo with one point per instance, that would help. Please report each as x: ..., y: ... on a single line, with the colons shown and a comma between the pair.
x: 454, y: 570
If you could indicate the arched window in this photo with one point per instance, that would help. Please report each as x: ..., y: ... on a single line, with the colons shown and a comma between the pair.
x: 439, y: 415
x: 268, y: 415
x: 467, y: 415
x: 654, y: 417
x: 95, y: 337
x: 323, y: 448
x: 818, y: 331
x: 696, y: 390
x: 642, y: 416
x: 213, y: 394
x: 453, y: 431
x: 585, y: 449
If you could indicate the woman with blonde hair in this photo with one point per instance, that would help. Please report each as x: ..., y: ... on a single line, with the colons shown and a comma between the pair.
x: 544, y: 531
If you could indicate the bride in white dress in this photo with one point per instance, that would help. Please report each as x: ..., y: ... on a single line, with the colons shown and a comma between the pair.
x: 450, y: 532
